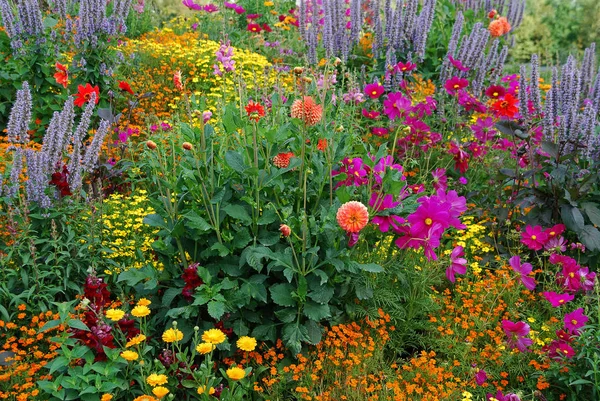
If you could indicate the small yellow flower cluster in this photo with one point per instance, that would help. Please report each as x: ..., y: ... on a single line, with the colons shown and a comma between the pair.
x: 125, y: 234
x: 471, y: 237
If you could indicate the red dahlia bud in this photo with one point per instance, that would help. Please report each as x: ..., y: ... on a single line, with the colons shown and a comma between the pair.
x: 187, y: 146
x: 151, y: 145
x: 285, y: 230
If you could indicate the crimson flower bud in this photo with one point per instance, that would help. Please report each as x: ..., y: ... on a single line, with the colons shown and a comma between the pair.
x: 285, y: 230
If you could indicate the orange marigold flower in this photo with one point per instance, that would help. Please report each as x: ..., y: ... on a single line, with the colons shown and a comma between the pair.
x: 322, y: 144
x: 352, y: 216
x: 255, y: 111
x: 282, y: 160
x: 145, y: 398
x: 307, y: 110
x: 22, y: 307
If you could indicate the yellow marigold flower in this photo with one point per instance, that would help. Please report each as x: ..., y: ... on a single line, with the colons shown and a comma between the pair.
x: 145, y: 398
x: 202, y: 389
x: 140, y: 311
x: 246, y: 343
x: 235, y: 373
x: 205, y: 348
x: 269, y: 4
x: 156, y: 380
x: 115, y: 314
x: 136, y: 340
x: 160, y: 391
x: 143, y: 302
x: 213, y: 336
x: 106, y: 397
x: 129, y: 355
x: 172, y: 335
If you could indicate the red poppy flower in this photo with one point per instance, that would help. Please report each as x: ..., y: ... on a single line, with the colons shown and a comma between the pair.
x: 254, y: 28
x: 61, y: 76
x: 84, y: 94
x: 506, y: 107
x: 124, y: 86
x: 255, y: 111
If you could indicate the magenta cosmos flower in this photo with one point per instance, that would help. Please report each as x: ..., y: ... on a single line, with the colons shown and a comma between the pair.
x: 524, y: 270
x: 556, y: 299
x: 456, y: 63
x: 495, y: 92
x: 516, y: 333
x: 440, y: 181
x: 371, y: 114
x: 454, y: 84
x: 575, y: 320
x: 374, y: 90
x: 191, y: 5
x: 458, y: 265
x: 404, y: 67
x: 534, y: 237
x: 480, y: 377
x: 396, y: 105
x: 379, y: 204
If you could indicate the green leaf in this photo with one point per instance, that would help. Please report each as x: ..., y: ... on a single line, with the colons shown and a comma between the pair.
x: 282, y: 294
x: 238, y: 212
x: 593, y: 213
x: 370, y: 267
x: 134, y: 276
x: 321, y: 294
x: 50, y: 325
x: 265, y: 332
x: 235, y: 161
x: 155, y: 220
x: 221, y: 249
x: 580, y: 381
x: 267, y: 217
x: 255, y: 288
x: 169, y: 296
x: 293, y: 336
x: 216, y: 309
x: 314, y: 331
x: 316, y: 312
x: 241, y: 238
x: 195, y: 221
x: 590, y: 237
x: 572, y: 217
x: 78, y: 324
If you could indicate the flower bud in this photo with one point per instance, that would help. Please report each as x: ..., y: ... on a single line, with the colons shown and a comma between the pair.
x: 187, y: 146
x: 298, y: 70
x: 285, y: 230
x: 337, y: 61
x: 151, y: 145
x: 307, y: 79
x: 492, y: 14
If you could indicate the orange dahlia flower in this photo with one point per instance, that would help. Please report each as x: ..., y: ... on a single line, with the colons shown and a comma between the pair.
x: 307, y: 110
x: 499, y: 27
x: 352, y: 216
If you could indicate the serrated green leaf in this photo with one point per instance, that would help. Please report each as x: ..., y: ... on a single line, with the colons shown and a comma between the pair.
x: 293, y: 336
x: 77, y: 324
x: 238, y: 212
x: 169, y: 296
x: 316, y: 312
x: 195, y: 221
x: 155, y: 220
x: 314, y: 331
x: 282, y: 294
x: 235, y: 161
x: 321, y: 294
x: 216, y: 309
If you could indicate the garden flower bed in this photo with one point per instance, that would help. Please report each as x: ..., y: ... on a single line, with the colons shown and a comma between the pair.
x: 279, y: 200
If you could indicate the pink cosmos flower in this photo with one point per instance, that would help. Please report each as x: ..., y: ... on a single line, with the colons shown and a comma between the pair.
x: 456, y: 63
x: 374, y: 90
x: 355, y: 171
x: 575, y: 320
x: 404, y: 67
x: 385, y: 163
x: 558, y: 244
x: 191, y: 5
x: 371, y: 114
x: 440, y: 181
x: 480, y: 377
x: 396, y: 105
x: 380, y: 204
x: 556, y: 299
x: 501, y: 397
x: 586, y: 278
x: 454, y: 84
x: 483, y: 129
x: 534, y: 237
x: 495, y: 92
x: 524, y: 270
x: 555, y: 231
x: 379, y: 131
x: 516, y: 333
x: 458, y: 265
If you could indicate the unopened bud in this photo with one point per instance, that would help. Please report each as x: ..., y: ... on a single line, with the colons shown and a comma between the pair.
x: 187, y: 146
x: 285, y: 230
x: 307, y: 79
x: 151, y: 145
x: 298, y: 70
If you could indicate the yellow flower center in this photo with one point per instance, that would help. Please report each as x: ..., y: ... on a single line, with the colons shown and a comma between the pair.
x: 456, y: 86
x: 574, y: 321
x: 374, y: 92
x: 495, y: 94
x: 533, y: 237
x: 561, y: 301
x: 571, y: 274
x: 428, y: 221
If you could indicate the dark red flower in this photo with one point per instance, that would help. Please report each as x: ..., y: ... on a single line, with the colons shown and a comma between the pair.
x: 495, y: 92
x: 60, y: 181
x: 267, y: 28
x: 254, y: 28
x: 84, y: 94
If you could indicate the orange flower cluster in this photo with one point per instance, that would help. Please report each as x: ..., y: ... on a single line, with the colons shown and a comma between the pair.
x: 32, y: 351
